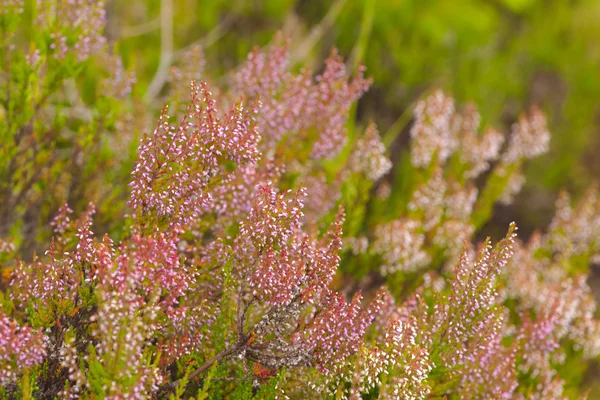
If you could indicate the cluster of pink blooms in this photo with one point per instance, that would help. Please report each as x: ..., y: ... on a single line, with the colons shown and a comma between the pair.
x: 181, y: 75
x: 119, y: 82
x: 22, y: 348
x: 295, y: 107
x: 176, y: 165
x: 448, y: 153
x: 433, y: 132
x: 11, y: 7
x: 461, y: 334
x: 537, y: 276
x: 58, y: 279
x: 401, y: 246
x: 84, y: 20
x: 440, y: 130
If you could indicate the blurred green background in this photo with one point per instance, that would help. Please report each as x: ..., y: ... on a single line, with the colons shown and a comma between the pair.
x: 503, y: 55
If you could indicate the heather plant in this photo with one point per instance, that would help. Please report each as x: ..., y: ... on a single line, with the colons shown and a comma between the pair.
x: 270, y: 250
x: 65, y: 92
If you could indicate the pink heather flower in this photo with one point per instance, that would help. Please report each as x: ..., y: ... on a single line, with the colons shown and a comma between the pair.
x: 333, y: 341
x: 337, y: 331
x: 6, y: 246
x: 541, y: 282
x: 383, y: 191
x: 479, y: 150
x: 322, y: 260
x: 33, y: 58
x: 85, y: 249
x: 62, y: 223
x: 283, y: 283
x: 234, y: 196
x: 357, y: 245
x: 55, y: 280
x: 263, y: 245
x: 459, y: 202
x: 530, y: 137
x: 489, y: 367
x: 123, y: 325
x: 369, y: 155
x: 451, y: 235
x: 476, y: 150
x: 433, y: 131
x: 176, y: 164
x: 139, y: 289
x: 575, y: 231
x: 119, y: 82
x: 460, y: 323
x: 59, y: 278
x: 540, y: 342
x: 401, y: 245
x: 323, y: 196
x: 293, y: 105
x: 83, y: 20
x: 284, y: 262
x: 22, y: 348
x: 336, y: 96
x: 273, y: 218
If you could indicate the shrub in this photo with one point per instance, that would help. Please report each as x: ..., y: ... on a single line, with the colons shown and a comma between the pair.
x: 269, y: 251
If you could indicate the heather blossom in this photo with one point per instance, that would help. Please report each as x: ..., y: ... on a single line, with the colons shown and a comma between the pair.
x: 369, y: 155
x: 177, y: 164
x: 86, y: 20
x: 294, y: 105
x: 401, y: 245
x: 434, y: 130
x: 22, y: 349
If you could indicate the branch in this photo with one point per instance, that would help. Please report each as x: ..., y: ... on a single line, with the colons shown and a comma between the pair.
x: 166, y: 51
x: 169, y: 387
x: 139, y: 30
x: 317, y: 32
x: 210, y: 38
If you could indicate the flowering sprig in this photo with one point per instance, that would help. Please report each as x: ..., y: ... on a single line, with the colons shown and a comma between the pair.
x: 293, y: 105
x: 176, y: 165
x: 22, y: 349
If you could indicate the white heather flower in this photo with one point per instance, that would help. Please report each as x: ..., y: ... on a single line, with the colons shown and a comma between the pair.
x: 530, y: 137
x: 434, y: 131
x: 369, y: 155
x: 401, y: 246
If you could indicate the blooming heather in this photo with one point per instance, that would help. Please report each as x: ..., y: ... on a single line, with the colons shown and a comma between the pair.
x: 369, y: 155
x: 84, y: 18
x: 267, y: 253
x: 433, y: 131
x: 294, y: 105
x: 22, y: 349
x: 176, y: 164
x: 401, y: 245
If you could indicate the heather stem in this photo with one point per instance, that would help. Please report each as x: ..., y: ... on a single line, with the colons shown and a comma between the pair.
x: 204, y: 367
